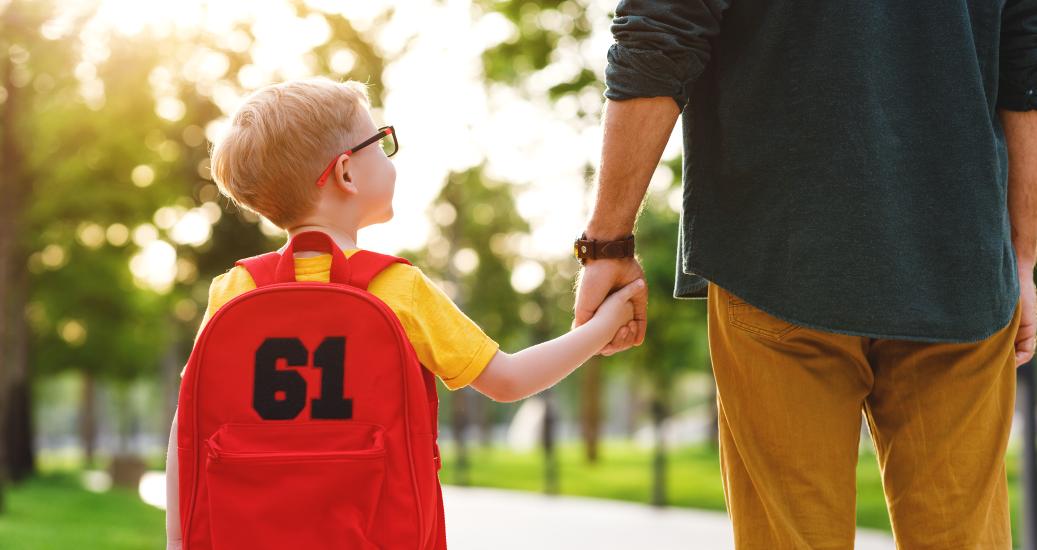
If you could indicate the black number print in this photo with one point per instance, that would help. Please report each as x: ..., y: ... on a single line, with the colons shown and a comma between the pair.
x: 281, y: 394
x: 330, y: 357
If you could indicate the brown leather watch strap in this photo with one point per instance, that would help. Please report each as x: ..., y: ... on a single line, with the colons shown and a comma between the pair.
x: 588, y: 249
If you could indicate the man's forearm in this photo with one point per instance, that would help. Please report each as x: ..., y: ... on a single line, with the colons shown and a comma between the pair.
x: 1021, y: 137
x: 635, y: 134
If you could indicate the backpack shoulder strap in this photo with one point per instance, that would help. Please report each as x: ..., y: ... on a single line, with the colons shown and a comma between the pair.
x: 364, y: 265
x: 261, y: 267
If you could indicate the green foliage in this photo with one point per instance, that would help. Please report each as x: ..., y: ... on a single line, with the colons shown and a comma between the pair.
x: 79, y: 162
x: 676, y: 338
x: 538, y: 29
x: 123, y: 329
x: 585, y: 79
x: 475, y: 221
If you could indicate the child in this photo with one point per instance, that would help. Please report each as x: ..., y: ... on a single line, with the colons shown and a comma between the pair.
x: 283, y: 158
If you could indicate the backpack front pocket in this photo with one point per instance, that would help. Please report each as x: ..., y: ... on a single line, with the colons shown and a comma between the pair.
x: 312, y: 485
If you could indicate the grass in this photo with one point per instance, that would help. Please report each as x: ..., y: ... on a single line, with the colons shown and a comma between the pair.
x: 623, y: 473
x: 53, y: 511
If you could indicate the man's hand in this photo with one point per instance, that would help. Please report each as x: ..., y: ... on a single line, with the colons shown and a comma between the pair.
x: 1024, y: 338
x: 1021, y: 139
x: 635, y: 132
x: 596, y: 281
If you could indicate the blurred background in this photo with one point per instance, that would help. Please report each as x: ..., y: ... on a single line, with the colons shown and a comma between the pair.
x: 111, y: 229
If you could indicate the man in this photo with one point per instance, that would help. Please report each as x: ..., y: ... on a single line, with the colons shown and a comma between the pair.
x: 859, y: 211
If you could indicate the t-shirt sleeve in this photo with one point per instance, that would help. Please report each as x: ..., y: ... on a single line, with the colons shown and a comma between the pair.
x: 447, y: 341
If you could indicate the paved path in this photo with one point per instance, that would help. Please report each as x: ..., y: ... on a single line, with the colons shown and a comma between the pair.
x: 493, y: 519
x: 484, y: 519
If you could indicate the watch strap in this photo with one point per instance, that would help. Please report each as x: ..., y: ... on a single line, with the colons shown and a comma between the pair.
x: 590, y: 249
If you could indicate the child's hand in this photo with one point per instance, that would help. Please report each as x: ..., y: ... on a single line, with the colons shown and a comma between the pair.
x: 617, y: 310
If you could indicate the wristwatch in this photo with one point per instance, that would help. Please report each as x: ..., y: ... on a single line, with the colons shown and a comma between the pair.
x: 588, y: 249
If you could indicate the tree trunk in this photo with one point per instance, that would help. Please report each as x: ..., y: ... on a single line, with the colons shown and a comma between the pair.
x: 21, y: 456
x: 88, y: 420
x: 18, y: 429
x: 122, y: 416
x: 460, y: 403
x: 459, y: 425
x: 483, y: 410
x: 21, y: 452
x: 548, y: 435
x: 634, y: 406
x: 14, y: 190
x: 551, y: 482
x: 659, y: 414
x: 590, y: 409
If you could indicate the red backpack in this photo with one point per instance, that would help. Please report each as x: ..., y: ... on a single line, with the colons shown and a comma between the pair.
x: 305, y: 418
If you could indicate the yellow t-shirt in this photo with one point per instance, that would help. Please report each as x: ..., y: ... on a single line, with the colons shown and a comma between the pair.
x: 447, y: 342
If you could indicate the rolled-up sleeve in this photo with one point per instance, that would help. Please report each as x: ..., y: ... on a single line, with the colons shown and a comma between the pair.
x: 661, y: 47
x: 1017, y: 89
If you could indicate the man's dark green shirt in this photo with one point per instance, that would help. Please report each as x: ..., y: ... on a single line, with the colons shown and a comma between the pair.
x: 844, y: 164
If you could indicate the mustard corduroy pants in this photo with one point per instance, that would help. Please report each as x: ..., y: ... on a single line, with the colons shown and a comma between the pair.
x: 790, y: 400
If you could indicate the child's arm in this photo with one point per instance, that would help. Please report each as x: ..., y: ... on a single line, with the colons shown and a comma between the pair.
x: 173, y: 537
x: 510, y: 377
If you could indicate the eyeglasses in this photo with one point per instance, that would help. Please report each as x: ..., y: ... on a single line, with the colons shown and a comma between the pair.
x: 389, y: 147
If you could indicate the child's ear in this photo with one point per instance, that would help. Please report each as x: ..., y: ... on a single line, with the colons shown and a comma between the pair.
x: 342, y: 178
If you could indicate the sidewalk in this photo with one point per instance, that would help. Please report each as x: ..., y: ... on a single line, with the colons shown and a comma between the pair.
x: 481, y: 519
x: 485, y: 519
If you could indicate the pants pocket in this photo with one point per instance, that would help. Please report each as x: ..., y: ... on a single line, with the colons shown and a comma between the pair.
x: 745, y: 316
x: 294, y: 485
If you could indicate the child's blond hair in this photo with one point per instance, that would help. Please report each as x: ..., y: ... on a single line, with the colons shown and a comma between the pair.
x: 280, y: 140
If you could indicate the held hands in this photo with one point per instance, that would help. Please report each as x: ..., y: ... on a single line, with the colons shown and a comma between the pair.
x: 597, y: 279
x: 617, y: 310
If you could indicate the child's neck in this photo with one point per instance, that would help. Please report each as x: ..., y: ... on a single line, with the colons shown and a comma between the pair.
x: 344, y: 238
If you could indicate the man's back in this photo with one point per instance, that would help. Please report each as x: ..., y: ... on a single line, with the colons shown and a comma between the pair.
x: 846, y: 166
x: 846, y: 191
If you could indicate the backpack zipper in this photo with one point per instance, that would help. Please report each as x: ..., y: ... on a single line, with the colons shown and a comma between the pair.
x: 220, y: 455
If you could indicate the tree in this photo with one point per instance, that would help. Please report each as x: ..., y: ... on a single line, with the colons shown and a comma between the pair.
x: 545, y: 34
x: 676, y: 339
x: 471, y: 253
x: 549, y: 34
x: 118, y: 158
x: 548, y: 314
x: 20, y: 95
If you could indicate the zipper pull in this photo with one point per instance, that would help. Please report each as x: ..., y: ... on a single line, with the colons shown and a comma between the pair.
x: 214, y: 454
